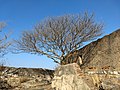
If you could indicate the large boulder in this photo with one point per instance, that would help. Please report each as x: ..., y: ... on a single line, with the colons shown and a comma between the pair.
x: 70, y: 77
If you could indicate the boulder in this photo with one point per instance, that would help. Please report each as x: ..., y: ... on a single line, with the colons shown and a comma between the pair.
x: 70, y: 77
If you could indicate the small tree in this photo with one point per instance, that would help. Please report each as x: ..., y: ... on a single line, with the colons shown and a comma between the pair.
x: 58, y: 36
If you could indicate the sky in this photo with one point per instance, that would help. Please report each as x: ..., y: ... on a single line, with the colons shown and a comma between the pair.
x: 23, y: 15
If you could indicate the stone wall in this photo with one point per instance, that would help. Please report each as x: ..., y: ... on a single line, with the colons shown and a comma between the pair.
x: 104, y: 52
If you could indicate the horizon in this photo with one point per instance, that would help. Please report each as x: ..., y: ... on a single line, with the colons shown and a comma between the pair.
x: 25, y: 14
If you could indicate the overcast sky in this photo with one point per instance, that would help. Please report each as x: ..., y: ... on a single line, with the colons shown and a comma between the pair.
x: 22, y: 15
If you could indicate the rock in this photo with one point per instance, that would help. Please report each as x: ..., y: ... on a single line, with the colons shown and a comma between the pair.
x: 25, y: 79
x: 4, y: 85
x: 70, y: 77
x: 109, y: 85
x: 104, y: 52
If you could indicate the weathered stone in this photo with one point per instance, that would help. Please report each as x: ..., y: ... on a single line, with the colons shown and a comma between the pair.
x: 70, y: 77
x: 110, y: 85
x: 104, y: 52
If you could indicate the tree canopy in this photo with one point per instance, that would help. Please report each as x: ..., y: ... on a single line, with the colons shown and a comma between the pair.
x: 56, y: 37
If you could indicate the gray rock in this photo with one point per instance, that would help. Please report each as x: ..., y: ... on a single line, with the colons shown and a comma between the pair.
x: 70, y: 77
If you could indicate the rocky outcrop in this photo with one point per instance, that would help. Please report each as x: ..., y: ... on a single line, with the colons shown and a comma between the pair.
x: 104, y: 52
x: 25, y: 78
x: 70, y: 77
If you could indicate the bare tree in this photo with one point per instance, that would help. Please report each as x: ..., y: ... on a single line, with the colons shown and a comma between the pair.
x: 58, y: 36
x: 4, y: 44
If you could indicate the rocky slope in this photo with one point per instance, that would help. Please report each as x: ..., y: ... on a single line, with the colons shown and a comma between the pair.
x: 104, y: 52
x: 25, y: 78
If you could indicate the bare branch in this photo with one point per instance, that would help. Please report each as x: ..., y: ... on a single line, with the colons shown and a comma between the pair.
x: 56, y: 37
x: 3, y: 40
